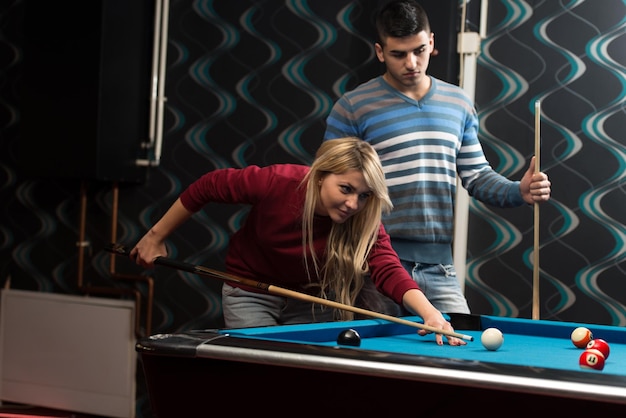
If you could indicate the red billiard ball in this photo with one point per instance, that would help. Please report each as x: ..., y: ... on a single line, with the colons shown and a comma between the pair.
x: 581, y: 337
x: 591, y: 359
x: 601, y: 345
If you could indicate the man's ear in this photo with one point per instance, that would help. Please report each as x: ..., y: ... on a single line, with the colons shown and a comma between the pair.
x: 379, y: 52
x: 433, y: 50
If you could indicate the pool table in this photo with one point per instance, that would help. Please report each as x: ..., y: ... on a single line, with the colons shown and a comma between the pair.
x: 301, y: 370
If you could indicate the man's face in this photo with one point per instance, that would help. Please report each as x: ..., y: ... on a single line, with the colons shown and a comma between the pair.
x: 407, y: 59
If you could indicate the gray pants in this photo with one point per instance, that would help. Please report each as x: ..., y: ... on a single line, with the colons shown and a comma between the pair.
x: 244, y: 309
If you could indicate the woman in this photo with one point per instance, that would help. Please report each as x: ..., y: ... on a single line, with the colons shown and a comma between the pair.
x: 313, y: 229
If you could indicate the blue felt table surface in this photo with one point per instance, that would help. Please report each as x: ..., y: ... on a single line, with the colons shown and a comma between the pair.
x: 534, y: 343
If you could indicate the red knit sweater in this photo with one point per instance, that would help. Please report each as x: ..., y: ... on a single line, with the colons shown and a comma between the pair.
x: 268, y: 246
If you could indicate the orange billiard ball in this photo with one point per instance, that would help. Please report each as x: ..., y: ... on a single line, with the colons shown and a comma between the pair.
x: 601, y: 345
x: 591, y: 359
x: 581, y: 337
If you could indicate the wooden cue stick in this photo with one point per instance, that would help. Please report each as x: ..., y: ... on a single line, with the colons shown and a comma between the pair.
x: 535, y: 308
x: 205, y: 271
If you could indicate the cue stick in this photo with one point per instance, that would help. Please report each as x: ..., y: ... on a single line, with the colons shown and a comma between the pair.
x: 535, y: 311
x: 205, y: 271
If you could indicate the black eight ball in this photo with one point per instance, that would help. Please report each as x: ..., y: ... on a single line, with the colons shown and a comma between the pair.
x: 349, y: 337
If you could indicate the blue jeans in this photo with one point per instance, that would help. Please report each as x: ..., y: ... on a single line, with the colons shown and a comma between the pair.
x: 244, y: 309
x: 440, y: 285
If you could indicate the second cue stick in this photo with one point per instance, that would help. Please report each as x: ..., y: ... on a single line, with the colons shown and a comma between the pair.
x: 535, y: 312
x: 205, y: 271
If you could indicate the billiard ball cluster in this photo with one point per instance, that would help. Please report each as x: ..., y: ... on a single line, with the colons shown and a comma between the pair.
x: 596, y: 349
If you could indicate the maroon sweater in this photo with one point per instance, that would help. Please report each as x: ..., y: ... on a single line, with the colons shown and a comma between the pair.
x: 268, y: 246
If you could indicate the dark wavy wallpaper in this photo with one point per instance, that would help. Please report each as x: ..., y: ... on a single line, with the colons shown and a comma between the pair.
x: 571, y: 56
x: 251, y: 82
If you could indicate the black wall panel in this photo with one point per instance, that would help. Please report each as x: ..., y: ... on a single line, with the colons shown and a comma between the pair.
x: 85, y: 89
x: 444, y: 18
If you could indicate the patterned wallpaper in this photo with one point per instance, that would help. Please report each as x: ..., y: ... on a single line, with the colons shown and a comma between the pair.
x: 250, y: 82
x: 571, y: 57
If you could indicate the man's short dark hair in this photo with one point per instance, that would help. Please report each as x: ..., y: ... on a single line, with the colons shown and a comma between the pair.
x: 400, y: 18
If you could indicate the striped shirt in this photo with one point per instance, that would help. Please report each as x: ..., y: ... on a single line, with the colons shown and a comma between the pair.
x: 423, y: 145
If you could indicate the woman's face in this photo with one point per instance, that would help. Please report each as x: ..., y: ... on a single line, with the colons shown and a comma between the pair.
x: 342, y: 195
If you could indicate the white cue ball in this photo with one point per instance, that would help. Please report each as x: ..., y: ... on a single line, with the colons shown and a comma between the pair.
x: 492, y: 338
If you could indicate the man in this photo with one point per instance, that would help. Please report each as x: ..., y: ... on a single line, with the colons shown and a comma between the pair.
x: 426, y: 132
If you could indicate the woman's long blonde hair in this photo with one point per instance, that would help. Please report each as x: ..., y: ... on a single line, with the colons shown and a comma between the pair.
x: 349, y: 244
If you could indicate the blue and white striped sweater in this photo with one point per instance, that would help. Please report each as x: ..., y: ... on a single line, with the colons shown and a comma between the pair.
x: 423, y: 145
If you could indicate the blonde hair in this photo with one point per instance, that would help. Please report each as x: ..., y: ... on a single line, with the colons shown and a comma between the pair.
x: 349, y: 243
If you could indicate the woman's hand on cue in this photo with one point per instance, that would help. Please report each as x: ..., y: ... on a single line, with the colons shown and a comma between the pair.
x: 152, y: 245
x: 438, y: 321
x: 147, y: 250
x: 415, y: 301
